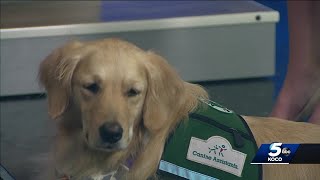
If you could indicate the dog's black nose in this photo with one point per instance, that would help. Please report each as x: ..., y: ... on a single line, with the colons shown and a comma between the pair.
x: 110, y: 132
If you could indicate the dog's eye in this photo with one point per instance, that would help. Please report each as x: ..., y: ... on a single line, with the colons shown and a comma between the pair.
x: 93, y: 88
x: 132, y: 92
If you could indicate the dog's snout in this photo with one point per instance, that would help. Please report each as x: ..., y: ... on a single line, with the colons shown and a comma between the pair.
x: 110, y: 132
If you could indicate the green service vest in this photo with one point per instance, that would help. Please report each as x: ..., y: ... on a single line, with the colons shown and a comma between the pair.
x: 214, y: 143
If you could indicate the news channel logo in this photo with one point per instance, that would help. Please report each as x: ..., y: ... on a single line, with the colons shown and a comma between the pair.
x: 275, y: 153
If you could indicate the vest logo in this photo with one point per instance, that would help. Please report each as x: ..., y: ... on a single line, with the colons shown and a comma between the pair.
x: 216, y: 152
x: 216, y: 106
x: 219, y: 149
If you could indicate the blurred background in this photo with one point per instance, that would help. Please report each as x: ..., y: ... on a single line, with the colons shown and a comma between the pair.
x: 238, y: 50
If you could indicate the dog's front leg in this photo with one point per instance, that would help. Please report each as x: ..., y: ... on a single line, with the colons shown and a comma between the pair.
x: 147, y: 161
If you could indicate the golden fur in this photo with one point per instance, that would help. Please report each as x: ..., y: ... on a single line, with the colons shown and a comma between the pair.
x: 161, y: 99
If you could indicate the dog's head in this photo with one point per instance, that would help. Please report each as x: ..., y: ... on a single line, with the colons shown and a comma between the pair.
x: 115, y: 87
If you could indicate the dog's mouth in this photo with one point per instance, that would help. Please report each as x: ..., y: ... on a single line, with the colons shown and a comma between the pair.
x: 107, y: 147
x: 110, y: 147
x: 104, y: 147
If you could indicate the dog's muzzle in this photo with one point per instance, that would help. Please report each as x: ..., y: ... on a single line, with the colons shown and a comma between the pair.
x: 110, y: 133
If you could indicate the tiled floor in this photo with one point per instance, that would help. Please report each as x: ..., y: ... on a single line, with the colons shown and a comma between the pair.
x: 26, y: 130
x: 25, y: 134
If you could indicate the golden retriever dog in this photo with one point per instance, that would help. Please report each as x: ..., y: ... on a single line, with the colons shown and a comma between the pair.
x: 113, y: 101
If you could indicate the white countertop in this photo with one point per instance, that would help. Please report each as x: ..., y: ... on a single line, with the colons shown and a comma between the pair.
x: 187, y: 15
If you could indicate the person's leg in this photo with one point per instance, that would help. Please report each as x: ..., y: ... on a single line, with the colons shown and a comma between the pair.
x: 303, y: 76
x: 316, y: 115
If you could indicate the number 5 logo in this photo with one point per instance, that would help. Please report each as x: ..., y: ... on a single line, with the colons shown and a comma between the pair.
x: 275, y: 149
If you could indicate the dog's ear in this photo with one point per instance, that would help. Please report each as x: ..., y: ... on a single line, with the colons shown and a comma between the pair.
x: 164, y: 94
x: 55, y: 75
